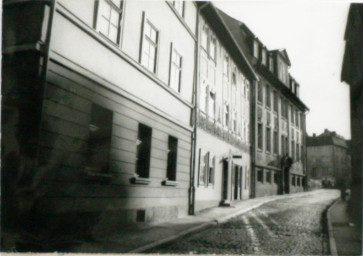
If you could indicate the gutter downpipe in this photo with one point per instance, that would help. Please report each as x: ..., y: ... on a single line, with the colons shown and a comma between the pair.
x: 191, y: 206
x: 305, y: 154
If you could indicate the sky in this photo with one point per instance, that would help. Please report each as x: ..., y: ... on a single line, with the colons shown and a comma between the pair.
x: 312, y: 32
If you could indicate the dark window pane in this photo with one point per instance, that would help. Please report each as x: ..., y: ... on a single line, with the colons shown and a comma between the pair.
x: 172, y: 158
x: 143, y: 151
x: 99, y: 140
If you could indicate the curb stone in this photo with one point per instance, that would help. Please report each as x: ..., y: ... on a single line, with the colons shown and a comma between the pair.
x: 332, y: 244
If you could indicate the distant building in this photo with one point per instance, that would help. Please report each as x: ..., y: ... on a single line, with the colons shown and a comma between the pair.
x: 352, y: 74
x: 277, y: 118
x: 328, y: 157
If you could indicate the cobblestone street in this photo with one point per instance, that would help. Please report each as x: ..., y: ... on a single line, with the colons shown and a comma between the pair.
x: 286, y: 227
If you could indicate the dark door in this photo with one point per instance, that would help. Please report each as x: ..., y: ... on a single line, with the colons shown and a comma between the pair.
x: 225, y: 181
x: 287, y: 180
x: 236, y: 181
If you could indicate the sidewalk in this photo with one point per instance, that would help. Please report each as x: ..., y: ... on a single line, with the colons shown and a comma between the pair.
x: 146, y: 236
x: 344, y: 238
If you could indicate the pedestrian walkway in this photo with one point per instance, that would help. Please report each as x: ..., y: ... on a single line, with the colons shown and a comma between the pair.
x: 346, y: 238
x: 142, y: 237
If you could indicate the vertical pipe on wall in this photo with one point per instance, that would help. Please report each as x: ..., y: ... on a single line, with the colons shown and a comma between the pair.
x: 191, y: 192
x: 253, y: 136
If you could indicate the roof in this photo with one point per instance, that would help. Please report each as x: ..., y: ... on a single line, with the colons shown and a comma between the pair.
x: 213, y: 17
x: 283, y: 54
x: 236, y: 27
x: 327, y: 138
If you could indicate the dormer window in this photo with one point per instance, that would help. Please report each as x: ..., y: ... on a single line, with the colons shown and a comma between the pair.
x: 271, y: 63
x: 212, y: 48
x: 179, y: 7
x: 255, y: 49
x: 297, y: 90
x: 204, y: 39
x: 264, y: 57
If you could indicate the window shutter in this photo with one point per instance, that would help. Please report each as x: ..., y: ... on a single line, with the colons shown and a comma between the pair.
x: 206, y: 168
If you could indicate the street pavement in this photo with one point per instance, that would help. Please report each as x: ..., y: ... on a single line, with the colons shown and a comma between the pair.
x: 288, y: 226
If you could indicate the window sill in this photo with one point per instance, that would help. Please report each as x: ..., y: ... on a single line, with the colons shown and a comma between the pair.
x: 171, y: 183
x: 140, y: 180
x: 92, y: 174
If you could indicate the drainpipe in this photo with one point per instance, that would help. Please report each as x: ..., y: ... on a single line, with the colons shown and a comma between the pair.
x: 44, y: 70
x: 253, y: 131
x: 305, y: 154
x: 191, y: 206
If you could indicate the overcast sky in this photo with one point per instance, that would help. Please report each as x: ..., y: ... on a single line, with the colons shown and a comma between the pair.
x: 312, y: 32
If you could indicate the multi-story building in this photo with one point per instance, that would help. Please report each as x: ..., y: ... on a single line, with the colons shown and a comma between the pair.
x: 278, y: 117
x: 352, y: 74
x: 328, y: 157
x: 97, y: 103
x: 222, y: 155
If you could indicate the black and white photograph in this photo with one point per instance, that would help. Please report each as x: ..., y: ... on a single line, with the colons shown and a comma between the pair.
x: 224, y: 127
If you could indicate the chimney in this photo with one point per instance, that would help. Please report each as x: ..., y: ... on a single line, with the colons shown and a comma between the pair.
x: 314, y: 134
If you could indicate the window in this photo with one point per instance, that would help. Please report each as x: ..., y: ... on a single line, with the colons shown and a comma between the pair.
x: 150, y: 46
x: 212, y: 48
x: 293, y: 150
x: 271, y: 63
x: 268, y: 97
x: 264, y: 57
x: 268, y: 176
x: 276, y: 142
x: 293, y: 182
x: 276, y: 178
x: 260, y: 92
x: 259, y: 136
x: 260, y: 175
x: 255, y: 49
x: 291, y: 114
x: 276, y: 101
x: 234, y: 121
x: 226, y: 67
x: 268, y: 139
x: 296, y: 118
x: 246, y: 177
x: 297, y: 152
x: 99, y: 140
x: 234, y: 76
x: 172, y: 158
x: 179, y: 7
x: 143, y: 151
x: 206, y: 168
x: 204, y: 39
x: 109, y: 18
x: 203, y: 97
x: 211, y: 170
x: 298, y: 181
x: 175, y: 70
x: 226, y: 115
x: 211, y: 104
